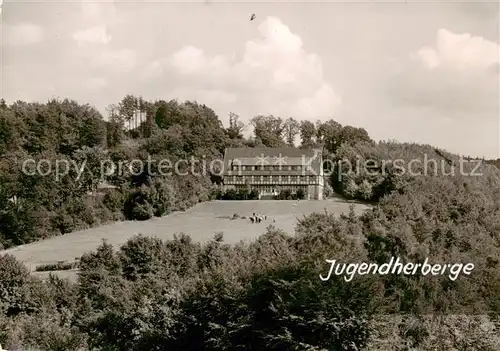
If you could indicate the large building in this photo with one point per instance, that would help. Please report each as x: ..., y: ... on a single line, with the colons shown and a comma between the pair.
x: 271, y: 170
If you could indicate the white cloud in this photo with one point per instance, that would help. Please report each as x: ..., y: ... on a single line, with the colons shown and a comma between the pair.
x: 262, y: 66
x: 452, y: 89
x: 92, y: 35
x: 459, y: 51
x: 191, y: 60
x: 459, y: 74
x: 22, y: 34
x: 275, y: 75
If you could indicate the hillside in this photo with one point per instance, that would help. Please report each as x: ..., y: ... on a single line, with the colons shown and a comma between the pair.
x: 197, y: 293
x: 201, y: 222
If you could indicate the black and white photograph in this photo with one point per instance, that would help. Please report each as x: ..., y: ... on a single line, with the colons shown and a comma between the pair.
x: 249, y: 175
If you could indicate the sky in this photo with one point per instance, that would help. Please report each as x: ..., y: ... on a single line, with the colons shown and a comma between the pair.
x: 425, y: 72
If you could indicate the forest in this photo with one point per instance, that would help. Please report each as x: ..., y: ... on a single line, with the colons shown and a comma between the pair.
x: 265, y: 295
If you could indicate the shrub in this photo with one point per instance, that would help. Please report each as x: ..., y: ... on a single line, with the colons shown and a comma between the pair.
x: 300, y: 194
x: 114, y: 200
x: 365, y: 191
x: 59, y: 266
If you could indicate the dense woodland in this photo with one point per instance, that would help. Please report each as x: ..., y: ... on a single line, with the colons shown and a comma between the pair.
x: 267, y: 295
x: 137, y: 129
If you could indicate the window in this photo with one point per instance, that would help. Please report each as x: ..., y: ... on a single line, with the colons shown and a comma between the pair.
x: 243, y: 168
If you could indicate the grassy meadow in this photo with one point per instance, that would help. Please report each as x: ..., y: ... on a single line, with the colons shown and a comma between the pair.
x: 200, y: 222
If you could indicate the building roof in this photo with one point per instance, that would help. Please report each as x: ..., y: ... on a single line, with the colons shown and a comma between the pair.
x: 264, y: 159
x: 253, y: 152
x: 284, y: 156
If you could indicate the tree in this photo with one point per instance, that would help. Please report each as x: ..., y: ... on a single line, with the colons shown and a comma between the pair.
x: 93, y: 128
x: 114, y: 127
x: 300, y: 194
x: 351, y: 188
x: 149, y: 111
x: 365, y: 190
x: 329, y: 135
x: 269, y: 130
x: 9, y: 131
x: 235, y: 126
x: 291, y: 129
x: 307, y: 134
x: 353, y: 135
x: 127, y: 108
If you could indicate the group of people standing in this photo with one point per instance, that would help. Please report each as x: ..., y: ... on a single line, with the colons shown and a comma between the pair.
x: 258, y: 218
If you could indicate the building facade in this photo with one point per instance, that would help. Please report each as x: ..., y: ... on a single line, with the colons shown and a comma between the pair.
x: 271, y: 170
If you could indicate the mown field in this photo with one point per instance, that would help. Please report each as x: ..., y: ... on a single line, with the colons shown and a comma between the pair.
x: 201, y: 222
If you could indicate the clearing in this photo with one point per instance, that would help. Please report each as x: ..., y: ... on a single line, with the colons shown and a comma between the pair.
x: 201, y: 222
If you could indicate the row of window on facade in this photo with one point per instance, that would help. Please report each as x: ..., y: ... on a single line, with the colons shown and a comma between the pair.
x: 271, y: 179
x: 236, y: 167
x: 274, y: 190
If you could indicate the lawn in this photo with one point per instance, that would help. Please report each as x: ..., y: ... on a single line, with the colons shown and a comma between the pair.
x: 201, y: 222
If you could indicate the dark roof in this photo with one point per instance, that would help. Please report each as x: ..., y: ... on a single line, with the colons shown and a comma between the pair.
x: 249, y: 152
x: 289, y: 156
x: 263, y: 158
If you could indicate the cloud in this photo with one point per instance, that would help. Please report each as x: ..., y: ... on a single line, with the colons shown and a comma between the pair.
x: 460, y: 52
x: 274, y: 75
x: 458, y: 74
x: 22, y: 34
x: 92, y: 35
x: 449, y: 92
